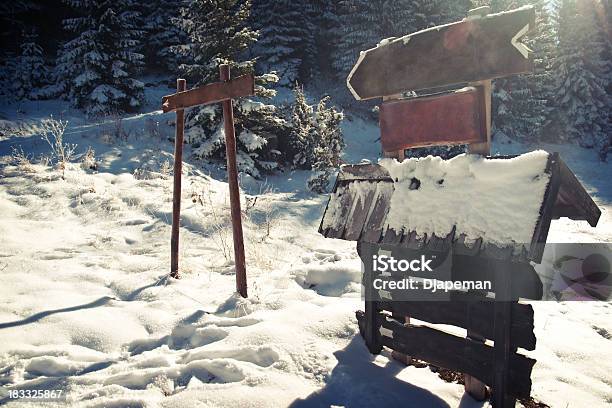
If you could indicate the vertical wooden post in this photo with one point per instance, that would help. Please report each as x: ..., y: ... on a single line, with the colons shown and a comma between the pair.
x: 232, y: 176
x: 400, y: 156
x: 502, y: 332
x: 483, y: 148
x: 473, y: 386
x: 372, y: 313
x: 181, y: 85
x: 476, y: 388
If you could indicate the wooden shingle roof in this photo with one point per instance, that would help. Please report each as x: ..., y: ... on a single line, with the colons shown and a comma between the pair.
x: 358, y: 209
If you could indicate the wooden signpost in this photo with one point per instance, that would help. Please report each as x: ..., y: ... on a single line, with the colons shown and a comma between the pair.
x: 359, y: 210
x: 224, y: 92
x: 471, y: 50
x: 467, y: 53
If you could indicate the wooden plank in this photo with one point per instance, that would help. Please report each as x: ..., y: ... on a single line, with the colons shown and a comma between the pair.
x: 572, y: 193
x: 456, y: 353
x: 373, y: 172
x: 392, y: 237
x: 465, y: 51
x: 502, y: 339
x: 341, y: 201
x: 472, y: 385
x: 176, y: 186
x: 375, y: 223
x: 470, y: 315
x: 447, y: 119
x: 232, y: 178
x: 210, y: 93
x: 412, y: 241
x: 359, y: 213
x: 536, y: 249
x: 439, y: 244
x: 484, y: 89
x: 372, y: 319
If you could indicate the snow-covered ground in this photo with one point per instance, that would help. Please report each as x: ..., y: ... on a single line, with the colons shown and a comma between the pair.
x: 86, y: 305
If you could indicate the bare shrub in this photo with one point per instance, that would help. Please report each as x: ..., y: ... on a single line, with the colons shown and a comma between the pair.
x: 88, y: 162
x: 151, y: 128
x: 21, y: 159
x: 261, y: 213
x: 166, y: 168
x: 53, y: 133
x: 114, y: 131
x: 259, y: 218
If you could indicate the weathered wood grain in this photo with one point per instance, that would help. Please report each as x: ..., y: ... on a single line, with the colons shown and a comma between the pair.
x: 456, y: 353
x: 470, y: 315
x: 447, y: 119
x: 466, y: 51
x: 210, y: 93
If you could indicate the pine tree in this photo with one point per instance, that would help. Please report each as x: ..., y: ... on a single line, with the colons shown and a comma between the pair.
x: 581, y: 94
x: 218, y: 34
x: 97, y: 67
x: 302, y: 137
x: 162, y: 33
x: 360, y: 28
x: 329, y: 146
x: 326, y: 31
x: 539, y: 107
x: 515, y: 108
x: 455, y: 10
x: 316, y: 139
x: 399, y: 18
x: 283, y: 37
x: 29, y: 71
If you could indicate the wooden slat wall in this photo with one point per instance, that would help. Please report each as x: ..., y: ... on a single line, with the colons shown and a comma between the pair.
x: 454, y: 353
x: 476, y: 316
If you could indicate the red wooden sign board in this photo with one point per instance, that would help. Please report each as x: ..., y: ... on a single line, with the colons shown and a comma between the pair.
x: 447, y: 119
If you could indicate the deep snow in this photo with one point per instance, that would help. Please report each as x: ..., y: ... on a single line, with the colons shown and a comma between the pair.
x: 86, y: 305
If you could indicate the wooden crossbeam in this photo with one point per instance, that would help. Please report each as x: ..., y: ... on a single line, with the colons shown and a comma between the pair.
x: 210, y: 93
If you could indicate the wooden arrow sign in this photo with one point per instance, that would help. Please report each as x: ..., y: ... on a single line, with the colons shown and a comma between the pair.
x: 466, y: 51
x: 210, y: 93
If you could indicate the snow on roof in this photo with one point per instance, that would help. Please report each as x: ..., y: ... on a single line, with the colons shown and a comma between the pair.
x: 497, y: 200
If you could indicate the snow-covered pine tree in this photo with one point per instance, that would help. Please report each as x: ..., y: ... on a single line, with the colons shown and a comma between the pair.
x: 326, y: 30
x: 399, y: 18
x: 541, y: 82
x: 329, y: 145
x: 96, y: 69
x: 218, y: 34
x: 455, y: 10
x: 162, y: 33
x: 513, y: 103
x: 360, y: 27
x: 302, y: 137
x: 30, y: 73
x: 316, y: 138
x: 283, y: 37
x: 584, y: 105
